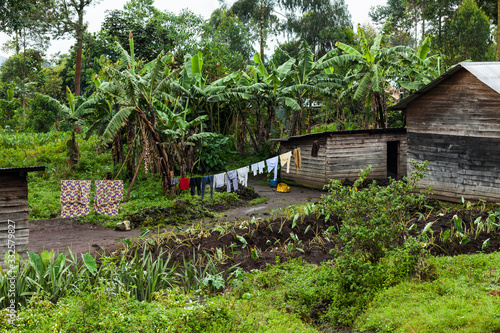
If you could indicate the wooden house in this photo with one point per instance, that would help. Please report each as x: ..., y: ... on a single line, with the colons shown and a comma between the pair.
x: 14, y: 209
x: 341, y: 155
x: 454, y: 123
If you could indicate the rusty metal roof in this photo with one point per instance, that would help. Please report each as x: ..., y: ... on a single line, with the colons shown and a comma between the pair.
x: 486, y: 72
x: 22, y: 169
x: 391, y: 130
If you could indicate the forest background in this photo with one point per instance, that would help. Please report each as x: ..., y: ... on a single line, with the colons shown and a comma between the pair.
x: 172, y: 94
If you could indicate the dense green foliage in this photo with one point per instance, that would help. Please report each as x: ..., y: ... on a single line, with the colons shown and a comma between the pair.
x: 181, y: 96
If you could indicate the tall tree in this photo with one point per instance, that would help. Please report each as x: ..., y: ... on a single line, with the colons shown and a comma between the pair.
x: 466, y: 34
x: 321, y: 23
x: 259, y: 16
x: 71, y: 13
x: 154, y: 31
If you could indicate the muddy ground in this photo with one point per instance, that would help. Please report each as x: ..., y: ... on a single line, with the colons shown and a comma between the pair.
x: 60, y: 234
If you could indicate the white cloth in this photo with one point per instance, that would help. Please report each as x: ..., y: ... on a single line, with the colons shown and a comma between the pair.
x: 231, y: 176
x: 258, y: 167
x: 243, y: 175
x: 272, y: 164
x: 219, y: 180
x: 285, y: 159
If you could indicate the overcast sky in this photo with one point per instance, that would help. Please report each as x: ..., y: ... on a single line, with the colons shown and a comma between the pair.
x: 95, y: 15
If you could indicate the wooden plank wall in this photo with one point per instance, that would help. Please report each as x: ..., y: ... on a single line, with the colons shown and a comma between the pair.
x: 14, y: 207
x: 342, y: 157
x: 460, y: 166
x: 461, y: 105
x: 456, y: 127
x: 312, y: 173
x: 348, y: 154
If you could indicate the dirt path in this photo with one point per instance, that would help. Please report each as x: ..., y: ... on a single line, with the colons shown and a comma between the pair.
x: 60, y: 234
x: 297, y: 195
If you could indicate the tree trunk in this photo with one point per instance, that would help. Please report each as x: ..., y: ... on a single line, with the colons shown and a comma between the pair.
x: 262, y: 30
x: 166, y: 177
x: 130, y: 144
x: 252, y: 136
x: 78, y: 65
x: 379, y: 109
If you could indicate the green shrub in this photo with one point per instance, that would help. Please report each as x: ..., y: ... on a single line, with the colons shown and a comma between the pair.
x: 374, y: 225
x: 43, y: 113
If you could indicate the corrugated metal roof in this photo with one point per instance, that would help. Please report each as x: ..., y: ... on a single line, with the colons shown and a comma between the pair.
x: 486, y: 72
x: 22, y: 169
x: 333, y: 133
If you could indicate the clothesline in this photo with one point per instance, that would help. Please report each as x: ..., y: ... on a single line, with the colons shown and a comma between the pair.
x: 231, y: 178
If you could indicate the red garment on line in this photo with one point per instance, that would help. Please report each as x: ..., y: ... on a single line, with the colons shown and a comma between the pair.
x: 184, y: 184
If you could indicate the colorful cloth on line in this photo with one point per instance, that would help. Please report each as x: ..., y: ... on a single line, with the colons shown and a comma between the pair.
x: 75, y: 198
x: 184, y: 183
x: 108, y: 194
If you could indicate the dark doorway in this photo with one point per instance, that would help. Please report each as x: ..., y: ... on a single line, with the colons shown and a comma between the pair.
x: 392, y: 159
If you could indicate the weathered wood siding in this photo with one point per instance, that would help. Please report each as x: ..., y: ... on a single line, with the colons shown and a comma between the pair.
x: 312, y: 173
x: 461, y: 105
x: 456, y: 127
x: 348, y: 154
x: 342, y: 156
x: 459, y: 166
x: 14, y: 207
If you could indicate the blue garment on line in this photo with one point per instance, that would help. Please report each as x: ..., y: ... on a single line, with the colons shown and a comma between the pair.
x: 204, y: 181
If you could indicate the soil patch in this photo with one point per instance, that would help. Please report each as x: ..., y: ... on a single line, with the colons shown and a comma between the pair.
x: 253, y: 244
x: 470, y: 234
x: 61, y: 234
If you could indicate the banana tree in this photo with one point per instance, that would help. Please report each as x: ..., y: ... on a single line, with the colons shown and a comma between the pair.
x: 421, y: 68
x: 73, y: 114
x: 134, y: 91
x: 180, y: 133
x: 374, y: 67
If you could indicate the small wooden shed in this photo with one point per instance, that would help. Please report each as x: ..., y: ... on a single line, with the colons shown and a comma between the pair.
x: 454, y: 123
x: 14, y: 209
x: 343, y: 154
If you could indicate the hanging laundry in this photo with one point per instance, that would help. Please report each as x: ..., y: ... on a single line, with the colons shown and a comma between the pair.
x: 272, y: 164
x: 195, y: 183
x: 243, y: 175
x: 297, y: 160
x: 207, y: 180
x: 184, y: 183
x: 258, y: 167
x: 232, y: 177
x: 175, y: 181
x: 107, y: 196
x: 75, y: 198
x: 219, y: 180
x: 285, y: 159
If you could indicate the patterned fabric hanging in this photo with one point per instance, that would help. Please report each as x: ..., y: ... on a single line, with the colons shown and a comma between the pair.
x: 108, y: 194
x: 75, y: 198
